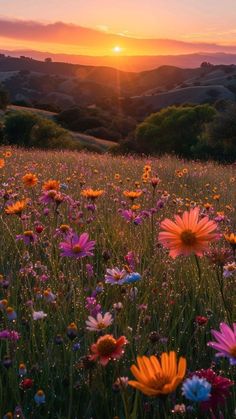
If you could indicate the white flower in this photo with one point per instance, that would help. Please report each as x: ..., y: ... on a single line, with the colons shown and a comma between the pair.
x: 38, y: 315
x: 99, y: 323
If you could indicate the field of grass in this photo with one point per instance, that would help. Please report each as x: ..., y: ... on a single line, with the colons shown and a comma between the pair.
x: 172, y: 305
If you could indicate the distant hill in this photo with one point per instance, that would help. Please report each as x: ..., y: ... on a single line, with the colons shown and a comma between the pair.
x: 131, y: 63
x: 64, y: 85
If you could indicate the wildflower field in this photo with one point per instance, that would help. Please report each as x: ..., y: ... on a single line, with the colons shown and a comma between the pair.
x: 117, y: 287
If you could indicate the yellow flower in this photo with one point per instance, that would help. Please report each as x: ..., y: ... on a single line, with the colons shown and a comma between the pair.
x: 154, y: 377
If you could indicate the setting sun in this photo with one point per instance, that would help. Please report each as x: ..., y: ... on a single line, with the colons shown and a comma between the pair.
x: 117, y: 49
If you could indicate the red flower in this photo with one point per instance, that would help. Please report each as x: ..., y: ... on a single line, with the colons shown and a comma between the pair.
x: 107, y: 348
x: 219, y: 388
x: 201, y: 320
x: 26, y: 383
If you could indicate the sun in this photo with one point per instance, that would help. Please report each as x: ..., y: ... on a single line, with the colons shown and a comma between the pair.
x: 117, y: 49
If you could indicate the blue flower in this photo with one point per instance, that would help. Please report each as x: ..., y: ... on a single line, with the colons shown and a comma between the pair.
x: 39, y: 397
x: 132, y: 277
x: 196, y: 389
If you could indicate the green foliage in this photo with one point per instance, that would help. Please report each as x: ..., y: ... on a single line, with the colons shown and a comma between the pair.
x: 18, y: 126
x: 174, y: 129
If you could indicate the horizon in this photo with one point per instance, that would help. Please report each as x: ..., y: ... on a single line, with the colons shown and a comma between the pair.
x: 124, y: 29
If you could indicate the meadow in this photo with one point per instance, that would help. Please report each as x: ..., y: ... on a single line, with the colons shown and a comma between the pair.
x: 92, y: 277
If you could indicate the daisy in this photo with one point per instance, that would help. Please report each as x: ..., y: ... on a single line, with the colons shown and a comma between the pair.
x: 77, y: 246
x: 99, y: 323
x: 187, y: 235
x: 108, y: 348
x: 115, y: 276
x: 225, y: 342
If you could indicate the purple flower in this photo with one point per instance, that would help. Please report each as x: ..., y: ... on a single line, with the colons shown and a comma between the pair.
x: 225, y: 342
x: 28, y: 237
x: 92, y: 306
x: 11, y: 335
x: 115, y: 276
x: 77, y: 246
x: 131, y: 217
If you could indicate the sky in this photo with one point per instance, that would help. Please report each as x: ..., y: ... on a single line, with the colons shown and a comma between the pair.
x: 191, y: 21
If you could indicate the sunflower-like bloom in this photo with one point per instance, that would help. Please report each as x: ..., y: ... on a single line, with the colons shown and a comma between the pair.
x: 132, y: 194
x: 51, y: 184
x: 154, y: 377
x: 92, y: 193
x: 187, y: 235
x: 16, y: 208
x: 30, y: 180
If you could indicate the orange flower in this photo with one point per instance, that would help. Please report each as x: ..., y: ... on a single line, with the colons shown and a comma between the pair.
x: 107, y: 348
x: 16, y: 208
x: 30, y: 180
x: 2, y: 163
x: 7, y: 154
x: 132, y: 194
x: 155, y: 378
x: 231, y: 239
x: 187, y: 235
x: 51, y: 185
x: 92, y: 193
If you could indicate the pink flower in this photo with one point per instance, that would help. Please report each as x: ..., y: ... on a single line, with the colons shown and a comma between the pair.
x: 11, y: 335
x: 225, y: 342
x: 99, y: 323
x: 77, y: 246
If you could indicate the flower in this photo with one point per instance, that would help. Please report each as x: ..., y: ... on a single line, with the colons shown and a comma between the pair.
x: 231, y: 239
x: 156, y: 378
x: 16, y: 208
x: 2, y: 163
x: 201, y: 320
x: 51, y: 185
x: 30, y: 180
x: 99, y: 323
x: 11, y: 314
x: 219, y: 389
x: 131, y: 216
x: 77, y: 246
x: 132, y: 194
x: 187, y: 235
x: 10, y: 335
x: 107, y: 348
x: 22, y: 369
x: 39, y: 397
x: 72, y: 331
x: 28, y: 237
x: 91, y: 193
x: 132, y: 277
x: 115, y: 276
x: 225, y: 342
x: 38, y: 315
x: 26, y: 383
x: 196, y: 389
x: 229, y: 269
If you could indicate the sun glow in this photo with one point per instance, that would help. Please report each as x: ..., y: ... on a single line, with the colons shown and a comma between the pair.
x: 117, y: 49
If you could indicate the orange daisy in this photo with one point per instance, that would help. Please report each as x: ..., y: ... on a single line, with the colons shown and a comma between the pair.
x: 92, y: 193
x: 132, y: 194
x: 187, y: 235
x: 30, y: 180
x: 154, y: 377
x: 2, y: 163
x: 231, y: 239
x: 16, y: 208
x: 51, y: 185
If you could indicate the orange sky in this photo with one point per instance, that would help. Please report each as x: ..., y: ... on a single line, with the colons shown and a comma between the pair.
x: 116, y: 24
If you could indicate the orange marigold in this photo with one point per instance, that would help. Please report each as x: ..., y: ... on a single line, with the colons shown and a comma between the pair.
x: 30, y: 180
x: 17, y: 207
x: 132, y: 194
x: 156, y: 378
x: 51, y: 184
x: 187, y: 235
x: 92, y: 193
x: 2, y: 163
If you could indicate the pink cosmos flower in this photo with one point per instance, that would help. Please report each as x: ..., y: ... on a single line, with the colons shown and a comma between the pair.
x: 11, y: 335
x: 115, y: 276
x: 225, y: 342
x: 77, y: 246
x: 99, y: 323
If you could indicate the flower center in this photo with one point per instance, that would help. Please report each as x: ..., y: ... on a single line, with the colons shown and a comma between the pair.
x: 188, y: 237
x: 117, y: 277
x: 232, y: 351
x: 101, y: 325
x: 106, y: 345
x: 77, y: 248
x: 158, y: 381
x: 28, y: 233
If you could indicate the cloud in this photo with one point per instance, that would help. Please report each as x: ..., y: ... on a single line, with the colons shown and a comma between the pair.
x: 99, y: 40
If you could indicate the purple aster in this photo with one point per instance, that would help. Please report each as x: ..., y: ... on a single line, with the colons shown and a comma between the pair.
x: 28, y: 237
x: 77, y: 246
x: 131, y: 217
x: 225, y: 342
x: 115, y: 276
x: 11, y: 335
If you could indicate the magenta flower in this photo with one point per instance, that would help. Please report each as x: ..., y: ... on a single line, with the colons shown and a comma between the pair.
x: 225, y: 342
x: 11, y: 335
x: 77, y: 246
x: 28, y: 237
x: 219, y: 389
x: 131, y: 217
